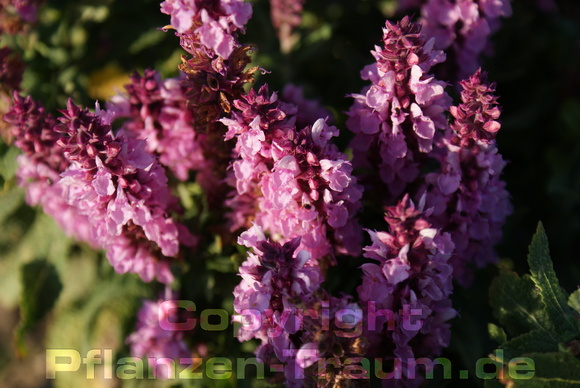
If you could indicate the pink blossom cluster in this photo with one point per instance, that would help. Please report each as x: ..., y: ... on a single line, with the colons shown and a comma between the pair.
x: 462, y: 200
x: 333, y: 332
x: 468, y: 197
x: 291, y: 182
x: 211, y: 23
x: 123, y: 190
x: 280, y: 302
x: 413, y: 277
x: 214, y: 76
x: 155, y: 342
x: 291, y: 190
x: 40, y: 166
x: 461, y: 27
x: 296, y: 186
x: 159, y: 114
x: 401, y: 115
x: 463, y: 187
x: 278, y: 283
x: 104, y: 188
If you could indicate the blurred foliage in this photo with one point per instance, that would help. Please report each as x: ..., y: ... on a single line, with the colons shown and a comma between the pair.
x: 85, y: 49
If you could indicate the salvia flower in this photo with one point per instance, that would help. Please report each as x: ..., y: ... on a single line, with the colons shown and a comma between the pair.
x: 475, y: 118
x: 152, y: 341
x: 40, y: 166
x: 278, y: 283
x: 401, y: 115
x: 212, y: 23
x: 158, y: 113
x: 462, y: 28
x: 214, y: 77
x: 405, y: 291
x: 469, y: 198
x: 301, y: 183
x: 122, y: 188
x: 217, y: 70
x: 332, y: 336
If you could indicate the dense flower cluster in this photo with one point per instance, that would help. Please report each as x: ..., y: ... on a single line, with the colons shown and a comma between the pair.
x: 78, y: 170
x: 41, y: 164
x: 461, y: 27
x: 123, y: 190
x: 270, y: 161
x: 412, y: 278
x: 401, y: 115
x: 156, y: 343
x: 332, y: 337
x: 158, y: 113
x: 278, y: 282
x: 279, y: 301
x: 464, y: 188
x: 210, y: 23
x: 468, y: 197
x: 286, y: 15
x: 297, y: 182
x: 214, y: 77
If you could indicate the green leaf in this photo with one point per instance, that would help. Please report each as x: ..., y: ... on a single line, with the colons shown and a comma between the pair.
x: 496, y: 333
x: 534, y: 341
x: 516, y: 303
x: 554, y: 298
x: 41, y: 288
x: 574, y: 300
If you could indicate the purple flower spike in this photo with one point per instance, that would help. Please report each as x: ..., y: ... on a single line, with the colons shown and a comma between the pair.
x: 292, y: 182
x: 212, y: 23
x: 469, y: 198
x: 278, y: 285
x: 411, y: 280
x: 102, y: 188
x: 275, y: 278
x: 40, y: 166
x: 123, y: 190
x: 155, y: 342
x: 214, y: 76
x: 399, y: 118
x: 158, y: 113
x: 460, y: 27
x: 475, y: 118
